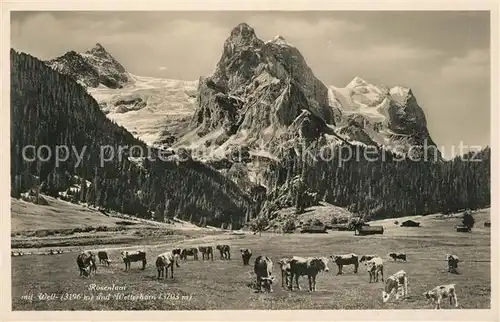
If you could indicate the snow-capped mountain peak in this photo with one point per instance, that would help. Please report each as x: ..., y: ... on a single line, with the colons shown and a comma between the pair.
x: 400, y: 94
x: 357, y: 81
x: 280, y: 40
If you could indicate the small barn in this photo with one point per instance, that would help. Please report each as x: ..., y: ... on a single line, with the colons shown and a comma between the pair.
x: 463, y: 229
x: 340, y: 227
x: 369, y: 230
x: 317, y: 229
x: 410, y: 223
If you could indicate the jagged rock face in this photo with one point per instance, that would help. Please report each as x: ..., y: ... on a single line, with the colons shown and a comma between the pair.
x: 94, y: 67
x: 382, y: 116
x: 74, y: 65
x: 261, y: 93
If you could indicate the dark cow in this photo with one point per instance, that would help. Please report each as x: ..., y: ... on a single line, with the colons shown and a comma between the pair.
x: 309, y: 267
x: 135, y: 256
x: 246, y: 254
x: 365, y: 258
x: 86, y: 263
x: 165, y: 261
x: 206, y: 252
x: 347, y: 259
x: 103, y: 257
x: 396, y: 256
x: 284, y: 264
x: 263, y: 269
x: 225, y: 251
x: 189, y: 252
x: 453, y: 261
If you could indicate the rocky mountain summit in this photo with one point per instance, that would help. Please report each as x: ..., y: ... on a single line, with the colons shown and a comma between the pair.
x: 92, y: 68
x: 381, y: 116
x: 264, y: 97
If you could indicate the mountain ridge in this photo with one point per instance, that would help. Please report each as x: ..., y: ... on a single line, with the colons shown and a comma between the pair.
x: 263, y: 97
x: 93, y: 67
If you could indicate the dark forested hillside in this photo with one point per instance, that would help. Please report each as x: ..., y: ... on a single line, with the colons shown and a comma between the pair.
x: 52, y: 112
x: 389, y: 186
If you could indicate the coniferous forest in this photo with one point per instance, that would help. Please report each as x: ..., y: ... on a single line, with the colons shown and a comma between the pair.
x: 52, y: 110
x: 388, y: 185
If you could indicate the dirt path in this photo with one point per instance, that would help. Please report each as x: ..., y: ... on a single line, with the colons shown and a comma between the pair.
x: 173, y: 244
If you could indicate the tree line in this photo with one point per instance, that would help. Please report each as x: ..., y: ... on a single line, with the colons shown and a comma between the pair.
x: 389, y: 186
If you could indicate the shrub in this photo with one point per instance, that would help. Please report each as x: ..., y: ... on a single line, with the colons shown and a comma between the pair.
x: 468, y: 220
x: 289, y: 226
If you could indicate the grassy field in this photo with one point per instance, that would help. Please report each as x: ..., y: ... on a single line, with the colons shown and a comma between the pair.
x: 199, y: 285
x: 61, y: 224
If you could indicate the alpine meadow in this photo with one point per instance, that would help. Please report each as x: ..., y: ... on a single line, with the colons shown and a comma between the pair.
x: 224, y: 190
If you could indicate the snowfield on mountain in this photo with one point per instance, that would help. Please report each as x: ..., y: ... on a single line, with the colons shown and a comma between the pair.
x: 149, y: 106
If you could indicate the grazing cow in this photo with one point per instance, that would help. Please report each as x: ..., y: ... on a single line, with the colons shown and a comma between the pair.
x: 263, y: 269
x: 103, y: 257
x: 206, y: 251
x: 189, y: 252
x: 86, y: 263
x: 394, y: 283
x: 365, y: 258
x: 246, y: 254
x: 225, y: 251
x: 453, y: 261
x: 442, y: 292
x: 135, y: 256
x: 310, y: 266
x: 284, y: 264
x: 347, y: 259
x: 165, y: 261
x: 375, y: 266
x: 395, y: 256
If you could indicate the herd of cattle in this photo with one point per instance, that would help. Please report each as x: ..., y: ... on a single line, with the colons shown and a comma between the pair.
x: 291, y: 269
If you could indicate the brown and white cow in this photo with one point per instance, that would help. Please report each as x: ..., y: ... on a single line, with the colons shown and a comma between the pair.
x: 225, y: 251
x: 453, y: 261
x: 206, y: 252
x: 394, y: 284
x: 396, y: 256
x: 246, y: 254
x: 263, y: 269
x: 193, y: 251
x: 310, y: 267
x: 103, y: 257
x: 284, y: 264
x: 346, y: 259
x: 442, y: 292
x: 86, y: 263
x: 375, y: 266
x: 165, y: 261
x: 134, y: 256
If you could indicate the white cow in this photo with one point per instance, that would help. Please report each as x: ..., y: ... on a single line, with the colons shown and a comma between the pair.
x: 375, y: 266
x: 394, y: 283
x: 442, y: 292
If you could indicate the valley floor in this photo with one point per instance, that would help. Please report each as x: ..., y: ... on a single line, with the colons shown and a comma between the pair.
x: 226, y: 284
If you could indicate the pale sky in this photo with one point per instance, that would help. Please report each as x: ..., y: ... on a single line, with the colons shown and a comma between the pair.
x: 444, y: 57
